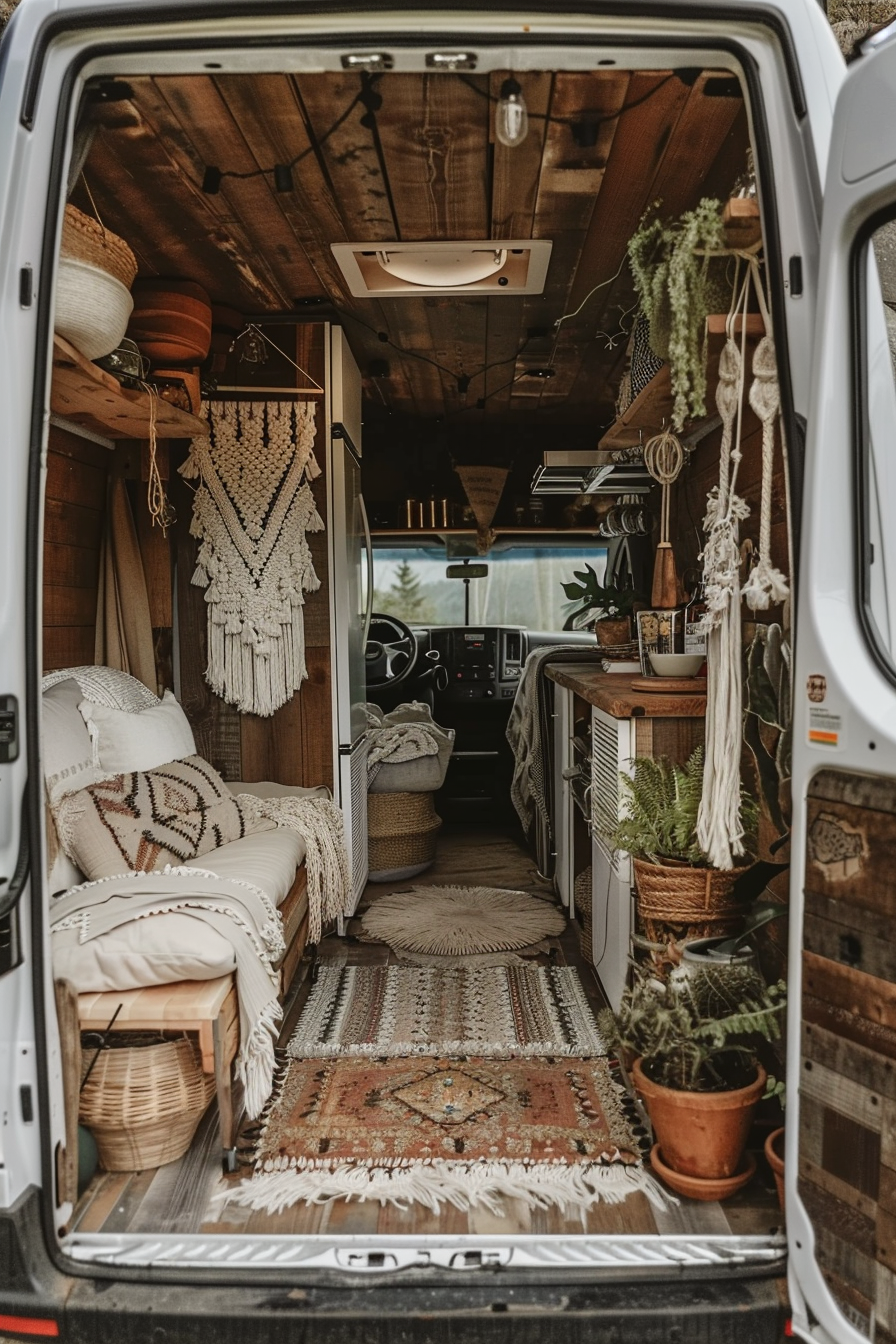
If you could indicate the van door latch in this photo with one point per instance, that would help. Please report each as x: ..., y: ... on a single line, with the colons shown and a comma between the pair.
x: 9, y: 729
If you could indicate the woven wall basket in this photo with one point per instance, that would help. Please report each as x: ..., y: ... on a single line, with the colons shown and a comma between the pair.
x: 683, y: 897
x: 143, y: 1102
x: 96, y: 271
x: 401, y: 833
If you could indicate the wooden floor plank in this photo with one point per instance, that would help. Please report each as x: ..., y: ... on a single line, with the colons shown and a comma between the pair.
x: 178, y: 1198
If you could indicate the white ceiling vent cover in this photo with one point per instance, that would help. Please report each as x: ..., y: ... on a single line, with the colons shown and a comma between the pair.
x: 393, y: 270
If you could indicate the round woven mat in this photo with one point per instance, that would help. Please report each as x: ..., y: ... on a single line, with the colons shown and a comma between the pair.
x: 460, y: 921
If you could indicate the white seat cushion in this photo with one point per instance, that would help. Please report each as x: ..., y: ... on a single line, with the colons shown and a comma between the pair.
x: 268, y: 859
x: 157, y: 950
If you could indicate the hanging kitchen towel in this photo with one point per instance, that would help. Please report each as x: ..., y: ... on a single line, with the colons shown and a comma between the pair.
x: 251, y: 514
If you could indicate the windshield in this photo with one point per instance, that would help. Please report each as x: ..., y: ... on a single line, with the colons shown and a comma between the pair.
x: 522, y: 587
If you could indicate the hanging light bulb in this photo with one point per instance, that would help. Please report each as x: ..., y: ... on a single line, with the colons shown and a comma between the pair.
x: 511, y: 118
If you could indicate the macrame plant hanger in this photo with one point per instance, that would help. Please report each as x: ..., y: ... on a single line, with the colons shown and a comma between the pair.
x: 766, y: 586
x: 664, y: 459
x: 719, y: 827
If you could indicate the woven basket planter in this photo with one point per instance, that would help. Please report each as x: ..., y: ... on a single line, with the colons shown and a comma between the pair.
x: 143, y: 1102
x: 687, y: 902
x: 401, y: 834
x: 93, y: 299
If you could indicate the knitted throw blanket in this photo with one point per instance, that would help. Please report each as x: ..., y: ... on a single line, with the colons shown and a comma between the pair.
x: 251, y: 513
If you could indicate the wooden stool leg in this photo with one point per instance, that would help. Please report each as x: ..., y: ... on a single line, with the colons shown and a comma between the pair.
x: 225, y: 1098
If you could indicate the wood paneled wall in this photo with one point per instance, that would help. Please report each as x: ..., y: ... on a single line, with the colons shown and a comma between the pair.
x: 77, y: 472
x: 294, y: 746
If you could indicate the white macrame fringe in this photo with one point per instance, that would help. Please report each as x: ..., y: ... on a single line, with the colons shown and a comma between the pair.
x: 251, y: 515
x: 719, y: 828
x: 569, y: 1187
x: 321, y: 825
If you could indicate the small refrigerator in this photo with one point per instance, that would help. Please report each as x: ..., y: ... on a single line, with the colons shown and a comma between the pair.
x: 351, y: 592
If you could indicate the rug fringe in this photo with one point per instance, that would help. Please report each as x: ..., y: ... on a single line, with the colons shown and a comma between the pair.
x: 444, y: 1049
x: 466, y: 1185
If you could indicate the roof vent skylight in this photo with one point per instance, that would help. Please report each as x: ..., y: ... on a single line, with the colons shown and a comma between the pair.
x: 390, y: 270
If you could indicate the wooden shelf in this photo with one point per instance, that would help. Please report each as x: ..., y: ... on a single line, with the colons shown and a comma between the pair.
x: 92, y: 398
x: 471, y: 531
x: 652, y: 407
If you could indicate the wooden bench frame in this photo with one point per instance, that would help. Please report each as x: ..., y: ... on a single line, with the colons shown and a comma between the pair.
x: 207, y: 1007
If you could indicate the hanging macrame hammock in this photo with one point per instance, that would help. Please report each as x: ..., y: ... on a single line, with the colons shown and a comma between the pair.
x: 251, y: 512
x: 719, y: 826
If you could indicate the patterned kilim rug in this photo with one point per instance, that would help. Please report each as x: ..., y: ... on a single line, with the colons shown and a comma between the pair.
x: 549, y: 1132
x: 407, y: 1011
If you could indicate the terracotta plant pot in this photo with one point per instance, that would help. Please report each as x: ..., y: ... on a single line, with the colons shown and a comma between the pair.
x: 774, y: 1155
x: 700, y: 1133
x: 613, y: 630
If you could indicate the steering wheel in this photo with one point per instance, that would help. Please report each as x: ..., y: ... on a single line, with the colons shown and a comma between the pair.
x: 391, y: 652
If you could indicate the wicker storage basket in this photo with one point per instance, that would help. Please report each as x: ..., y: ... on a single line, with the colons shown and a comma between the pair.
x: 401, y: 834
x: 143, y: 1102
x: 84, y: 239
x: 96, y: 271
x: 684, y: 901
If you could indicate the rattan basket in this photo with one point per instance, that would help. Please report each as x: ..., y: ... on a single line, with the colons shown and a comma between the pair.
x: 143, y: 1101
x: 401, y: 833
x: 85, y: 239
x: 684, y: 901
x: 93, y: 285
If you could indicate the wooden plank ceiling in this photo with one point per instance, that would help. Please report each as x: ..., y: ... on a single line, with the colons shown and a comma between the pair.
x: 413, y: 157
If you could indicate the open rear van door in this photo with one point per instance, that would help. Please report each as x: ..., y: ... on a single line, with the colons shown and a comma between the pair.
x: 840, y: 1161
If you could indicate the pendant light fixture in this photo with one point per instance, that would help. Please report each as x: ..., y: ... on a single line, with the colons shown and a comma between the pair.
x: 511, y: 117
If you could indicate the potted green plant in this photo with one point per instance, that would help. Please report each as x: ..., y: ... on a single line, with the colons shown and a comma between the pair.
x: 681, y: 274
x: 607, y: 606
x: 694, y: 1040
x: 679, y: 892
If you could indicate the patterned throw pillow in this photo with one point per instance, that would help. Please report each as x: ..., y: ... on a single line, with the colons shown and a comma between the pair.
x: 143, y: 820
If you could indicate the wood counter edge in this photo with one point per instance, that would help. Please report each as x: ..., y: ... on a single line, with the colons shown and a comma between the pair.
x: 611, y: 692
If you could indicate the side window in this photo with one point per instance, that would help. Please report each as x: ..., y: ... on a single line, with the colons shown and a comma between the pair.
x: 876, y: 277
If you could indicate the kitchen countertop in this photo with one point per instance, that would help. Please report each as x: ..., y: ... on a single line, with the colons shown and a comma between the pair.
x: 612, y: 692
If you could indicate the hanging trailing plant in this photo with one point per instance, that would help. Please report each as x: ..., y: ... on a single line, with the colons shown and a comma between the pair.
x: 678, y: 282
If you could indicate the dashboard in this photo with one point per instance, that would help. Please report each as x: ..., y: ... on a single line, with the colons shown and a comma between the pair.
x: 483, y: 662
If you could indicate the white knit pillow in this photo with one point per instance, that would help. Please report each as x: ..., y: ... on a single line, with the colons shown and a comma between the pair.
x: 68, y: 757
x: 123, y: 741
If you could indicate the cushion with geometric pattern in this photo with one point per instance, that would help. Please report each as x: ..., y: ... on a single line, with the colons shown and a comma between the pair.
x: 142, y: 820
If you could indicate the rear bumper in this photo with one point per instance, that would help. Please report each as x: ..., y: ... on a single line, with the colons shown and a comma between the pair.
x: 418, y: 1307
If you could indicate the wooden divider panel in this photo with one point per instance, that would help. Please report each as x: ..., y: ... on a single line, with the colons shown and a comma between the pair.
x: 847, y: 1082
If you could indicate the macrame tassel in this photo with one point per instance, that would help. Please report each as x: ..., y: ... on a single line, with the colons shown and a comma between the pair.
x: 766, y: 585
x: 719, y: 829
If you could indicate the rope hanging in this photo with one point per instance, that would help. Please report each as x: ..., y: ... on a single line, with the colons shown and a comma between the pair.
x: 719, y: 828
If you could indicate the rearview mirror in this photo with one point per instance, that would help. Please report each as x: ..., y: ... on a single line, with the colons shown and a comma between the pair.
x: 466, y: 572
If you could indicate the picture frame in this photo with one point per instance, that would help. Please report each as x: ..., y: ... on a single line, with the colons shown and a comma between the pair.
x: 659, y: 631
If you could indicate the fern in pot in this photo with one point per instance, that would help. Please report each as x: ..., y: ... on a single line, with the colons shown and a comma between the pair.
x: 679, y: 893
x: 695, y: 1043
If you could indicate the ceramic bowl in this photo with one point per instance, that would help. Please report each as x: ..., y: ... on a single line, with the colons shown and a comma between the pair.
x: 676, y: 664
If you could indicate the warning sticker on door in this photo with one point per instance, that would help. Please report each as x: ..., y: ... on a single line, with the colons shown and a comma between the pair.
x: 825, y: 729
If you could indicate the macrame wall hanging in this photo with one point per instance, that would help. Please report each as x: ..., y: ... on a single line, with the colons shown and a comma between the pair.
x: 719, y: 826
x: 251, y: 513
